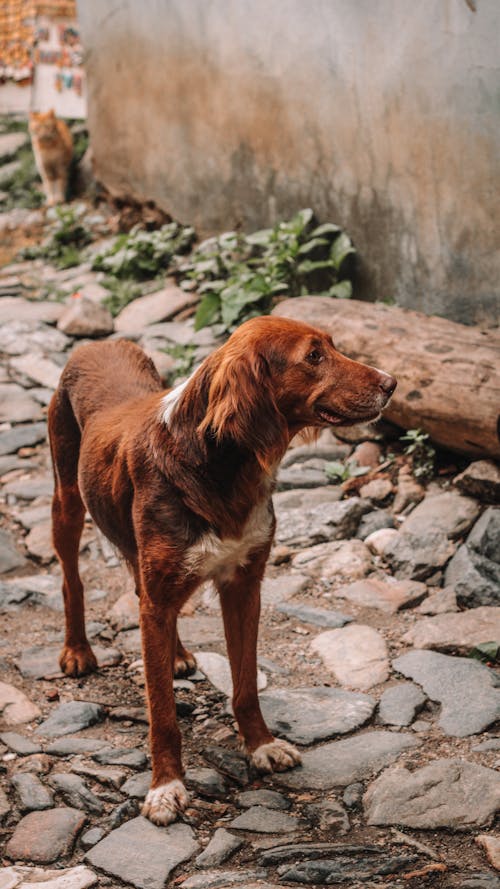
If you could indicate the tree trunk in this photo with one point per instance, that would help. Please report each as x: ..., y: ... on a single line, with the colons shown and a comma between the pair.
x: 448, y: 374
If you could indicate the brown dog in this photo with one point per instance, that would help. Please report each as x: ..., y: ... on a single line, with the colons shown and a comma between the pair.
x: 181, y: 484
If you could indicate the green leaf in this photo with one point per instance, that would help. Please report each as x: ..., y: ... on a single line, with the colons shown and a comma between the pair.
x: 342, y: 290
x: 486, y: 651
x: 308, y: 265
x: 314, y: 244
x: 260, y: 238
x: 341, y: 247
x: 335, y: 470
x: 234, y: 300
x: 328, y: 228
x: 208, y: 311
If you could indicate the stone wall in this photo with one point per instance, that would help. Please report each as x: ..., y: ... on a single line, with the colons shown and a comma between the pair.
x: 380, y: 114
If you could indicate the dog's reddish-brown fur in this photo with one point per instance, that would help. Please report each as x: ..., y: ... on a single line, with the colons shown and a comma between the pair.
x: 189, y: 498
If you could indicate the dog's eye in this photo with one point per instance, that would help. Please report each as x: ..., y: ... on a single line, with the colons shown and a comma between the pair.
x: 314, y: 356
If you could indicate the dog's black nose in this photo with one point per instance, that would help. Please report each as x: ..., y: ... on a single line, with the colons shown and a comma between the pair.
x: 387, y: 383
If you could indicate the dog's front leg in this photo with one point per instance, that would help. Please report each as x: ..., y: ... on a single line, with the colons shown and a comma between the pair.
x: 168, y: 796
x: 240, y: 601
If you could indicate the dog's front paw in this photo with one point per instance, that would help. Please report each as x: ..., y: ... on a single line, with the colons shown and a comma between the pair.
x: 78, y: 660
x: 164, y: 803
x: 276, y: 756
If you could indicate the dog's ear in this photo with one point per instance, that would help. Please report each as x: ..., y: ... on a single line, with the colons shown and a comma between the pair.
x: 242, y: 407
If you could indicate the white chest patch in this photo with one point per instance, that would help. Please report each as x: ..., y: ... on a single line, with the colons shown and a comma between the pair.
x: 170, y: 401
x: 213, y: 558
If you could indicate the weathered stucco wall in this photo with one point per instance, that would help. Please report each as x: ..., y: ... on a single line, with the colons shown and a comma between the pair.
x: 380, y: 114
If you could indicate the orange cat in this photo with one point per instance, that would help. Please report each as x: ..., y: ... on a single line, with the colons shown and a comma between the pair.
x: 53, y: 149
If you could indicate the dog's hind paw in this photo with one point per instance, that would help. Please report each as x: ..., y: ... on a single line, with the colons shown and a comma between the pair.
x: 276, y: 756
x: 164, y: 803
x: 78, y: 660
x: 184, y: 664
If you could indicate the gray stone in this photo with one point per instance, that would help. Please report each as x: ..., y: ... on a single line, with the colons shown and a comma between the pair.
x: 29, y: 310
x: 228, y: 762
x: 374, y: 521
x: 283, y: 587
x: 10, y: 143
x: 448, y: 793
x: 357, y: 655
x: 33, y: 795
x: 343, y: 869
x: 42, y: 662
x: 20, y: 337
x: 388, y: 595
x: 218, y: 671
x: 305, y: 499
x: 489, y: 744
x: 140, y: 853
x: 116, y: 756
x: 475, y: 579
x: 39, y: 542
x: 20, y: 877
x: 16, y: 405
x: 400, y: 703
x: 481, y: 479
x: 39, y: 369
x: 91, y: 837
x: 154, y: 307
x: 124, y: 812
x: 303, y: 453
x: 448, y: 512
x: 12, y: 595
x: 103, y: 774
x: 75, y: 793
x: 10, y: 558
x: 352, y: 795
x: 319, y: 617
x: 4, y: 805
x: 32, y: 489
x: 42, y: 837
x: 8, y: 463
x: 75, y: 746
x: 320, y: 524
x: 329, y: 815
x: 270, y: 799
x: 306, y: 715
x: 293, y: 851
x: 344, y: 762
x: 417, y: 556
x: 485, y: 535
x: 466, y: 690
x: 261, y: 820
x: 15, y: 707
x: 222, y: 879
x: 207, y: 782
x: 377, y: 490
x: 222, y: 845
x: 456, y: 632
x: 85, y: 318
x: 341, y: 560
x: 439, y: 602
x: 124, y: 615
x: 310, y: 474
x: 33, y: 515
x: 19, y: 744
x: 70, y: 717
x: 478, y: 881
x: 137, y: 786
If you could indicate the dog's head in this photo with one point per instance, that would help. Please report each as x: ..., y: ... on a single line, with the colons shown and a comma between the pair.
x: 275, y: 377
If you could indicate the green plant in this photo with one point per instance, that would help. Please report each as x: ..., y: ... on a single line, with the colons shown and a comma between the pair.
x: 140, y: 254
x: 121, y: 293
x: 23, y: 187
x: 487, y: 652
x: 184, y: 359
x: 421, y: 451
x: 69, y: 235
x: 338, y: 471
x: 239, y: 276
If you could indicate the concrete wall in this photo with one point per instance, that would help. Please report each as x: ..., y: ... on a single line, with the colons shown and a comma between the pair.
x: 382, y: 115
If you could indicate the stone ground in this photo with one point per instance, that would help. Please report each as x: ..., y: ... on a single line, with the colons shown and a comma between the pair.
x: 375, y: 594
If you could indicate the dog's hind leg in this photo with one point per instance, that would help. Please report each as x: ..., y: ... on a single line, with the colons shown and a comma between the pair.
x: 68, y: 513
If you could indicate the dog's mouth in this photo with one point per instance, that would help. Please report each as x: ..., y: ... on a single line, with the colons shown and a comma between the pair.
x: 335, y: 418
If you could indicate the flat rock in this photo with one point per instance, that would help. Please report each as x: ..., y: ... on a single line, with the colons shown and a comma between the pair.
x: 142, y: 854
x: 200, y: 630
x: 261, y: 820
x: 222, y: 879
x: 33, y: 515
x: 39, y: 369
x: 302, y: 475
x: 34, y: 487
x: 305, y: 498
x: 448, y: 512
x: 343, y: 869
x: 217, y: 670
x: 283, y: 587
x: 321, y: 523
x: 124, y: 615
x: 4, y: 805
x: 306, y: 715
x: 389, y: 595
x: 228, y: 762
x: 32, y: 794
x: 10, y: 558
x: 221, y: 846
x: 15, y: 707
x: 400, y: 703
x: 466, y: 690
x: 20, y: 337
x: 85, y: 318
x: 70, y: 717
x: 485, y: 535
x: 475, y: 578
x: 137, y: 786
x: 329, y: 815
x: 341, y: 560
x: 448, y: 793
x: 344, y: 762
x: 21, y: 437
x: 154, y: 307
x: 103, y: 774
x: 374, y: 521
x: 491, y: 846
x: 29, y: 310
x: 75, y: 746
x: 42, y: 662
x: 42, y: 837
x: 19, y: 744
x: 39, y: 542
x: 417, y: 556
x: 75, y: 793
x: 378, y: 489
x: 131, y: 757
x: 334, y: 450
x: 319, y: 617
x: 357, y: 655
x: 456, y: 632
x: 207, y: 782
x: 439, y: 602
x: 481, y: 479
x: 17, y: 406
x: 19, y: 877
x: 270, y: 799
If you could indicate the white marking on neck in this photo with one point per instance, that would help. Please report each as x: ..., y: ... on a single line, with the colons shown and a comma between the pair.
x: 171, y: 400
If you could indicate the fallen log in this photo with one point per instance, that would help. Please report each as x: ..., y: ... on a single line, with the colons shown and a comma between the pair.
x: 448, y: 374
